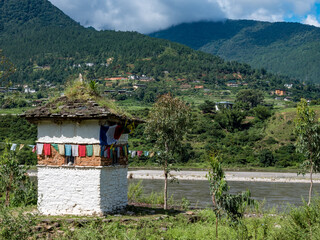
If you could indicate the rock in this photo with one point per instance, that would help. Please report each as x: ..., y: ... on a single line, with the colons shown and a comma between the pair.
x: 70, y: 220
x: 48, y: 221
x: 106, y: 220
x: 60, y: 232
x: 189, y: 212
x: 125, y: 220
x: 38, y: 228
x: 56, y: 225
x: 49, y: 228
x: 130, y: 213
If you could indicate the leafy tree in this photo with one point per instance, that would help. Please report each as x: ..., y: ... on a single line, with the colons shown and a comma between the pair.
x: 233, y: 204
x: 307, y: 130
x: 207, y: 107
x: 249, y: 98
x: 6, y: 67
x: 167, y: 124
x: 230, y: 119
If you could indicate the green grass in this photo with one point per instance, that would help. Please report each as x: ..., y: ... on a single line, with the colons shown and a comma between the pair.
x: 197, y: 99
x: 155, y: 223
x: 13, y: 111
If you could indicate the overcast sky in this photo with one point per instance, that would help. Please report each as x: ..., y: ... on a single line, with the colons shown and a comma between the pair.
x: 146, y: 16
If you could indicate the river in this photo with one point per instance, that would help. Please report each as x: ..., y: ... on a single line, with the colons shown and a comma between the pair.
x: 275, y: 194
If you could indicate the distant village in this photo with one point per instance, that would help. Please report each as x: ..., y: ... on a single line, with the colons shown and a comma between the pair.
x: 128, y: 83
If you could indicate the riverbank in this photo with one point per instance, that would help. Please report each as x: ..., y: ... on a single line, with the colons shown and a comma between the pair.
x: 230, y: 176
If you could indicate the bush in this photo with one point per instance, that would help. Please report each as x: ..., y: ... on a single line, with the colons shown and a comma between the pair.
x: 16, y: 225
x: 262, y: 112
x: 266, y: 158
x: 302, y: 222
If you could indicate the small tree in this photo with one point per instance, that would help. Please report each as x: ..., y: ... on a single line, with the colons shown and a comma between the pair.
x: 223, y: 202
x: 307, y: 130
x: 167, y: 124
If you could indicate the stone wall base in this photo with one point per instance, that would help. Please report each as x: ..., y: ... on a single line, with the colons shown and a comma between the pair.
x: 81, y: 190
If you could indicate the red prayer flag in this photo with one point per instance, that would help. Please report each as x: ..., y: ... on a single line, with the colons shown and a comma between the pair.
x: 139, y: 153
x: 47, y: 149
x: 108, y: 152
x: 82, y: 150
x: 118, y: 132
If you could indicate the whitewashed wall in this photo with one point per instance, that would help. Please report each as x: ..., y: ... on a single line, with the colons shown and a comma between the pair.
x: 86, y: 132
x: 114, y: 188
x: 81, y: 190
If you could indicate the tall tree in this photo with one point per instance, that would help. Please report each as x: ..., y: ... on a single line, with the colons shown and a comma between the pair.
x: 249, y: 98
x: 307, y: 129
x: 167, y: 124
x: 6, y: 68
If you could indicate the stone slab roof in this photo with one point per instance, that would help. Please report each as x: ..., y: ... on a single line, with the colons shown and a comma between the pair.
x: 64, y: 108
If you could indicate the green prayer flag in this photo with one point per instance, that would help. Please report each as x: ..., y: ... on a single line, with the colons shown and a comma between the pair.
x: 89, y: 149
x: 55, y: 146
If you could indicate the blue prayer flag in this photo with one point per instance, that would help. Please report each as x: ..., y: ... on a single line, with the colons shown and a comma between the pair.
x: 103, y: 135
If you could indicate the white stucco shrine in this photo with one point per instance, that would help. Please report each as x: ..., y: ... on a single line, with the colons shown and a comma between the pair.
x: 82, y: 151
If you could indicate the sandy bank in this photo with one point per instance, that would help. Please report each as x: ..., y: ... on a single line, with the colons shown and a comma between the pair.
x: 231, y: 176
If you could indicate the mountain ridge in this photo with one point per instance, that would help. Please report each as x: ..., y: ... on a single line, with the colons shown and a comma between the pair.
x: 288, y: 48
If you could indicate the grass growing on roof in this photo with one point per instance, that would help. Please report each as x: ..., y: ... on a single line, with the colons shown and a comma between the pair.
x: 89, y: 91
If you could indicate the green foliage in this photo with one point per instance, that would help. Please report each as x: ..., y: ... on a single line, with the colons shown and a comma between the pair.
x: 302, y: 222
x: 17, y: 130
x: 230, y: 119
x: 307, y: 130
x: 16, y: 187
x: 262, y: 113
x: 16, y: 225
x: 249, y: 98
x: 233, y: 205
x: 207, y: 107
x: 6, y: 68
x: 167, y: 124
x: 266, y: 158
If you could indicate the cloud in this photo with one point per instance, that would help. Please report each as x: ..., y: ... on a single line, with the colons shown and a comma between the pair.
x: 311, y: 20
x: 139, y: 15
x: 265, y: 10
x: 151, y: 15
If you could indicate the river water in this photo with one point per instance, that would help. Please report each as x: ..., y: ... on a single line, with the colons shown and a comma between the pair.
x: 197, y: 192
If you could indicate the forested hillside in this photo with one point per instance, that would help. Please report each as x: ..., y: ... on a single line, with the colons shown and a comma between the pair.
x: 47, y: 47
x: 35, y: 33
x: 292, y: 49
